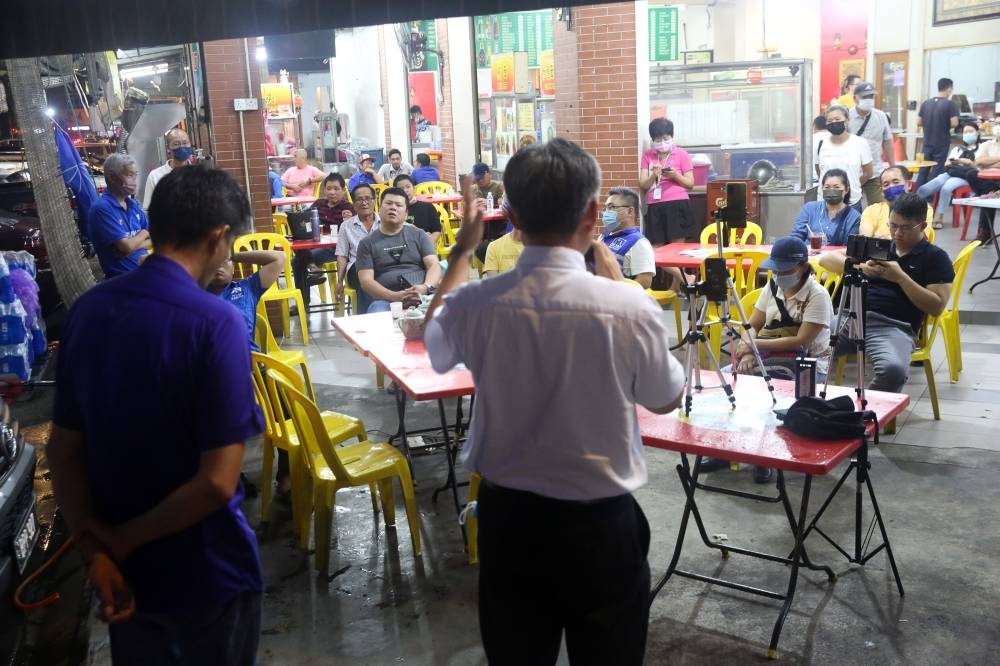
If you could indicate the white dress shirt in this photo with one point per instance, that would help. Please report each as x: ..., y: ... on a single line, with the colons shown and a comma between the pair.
x: 560, y: 357
x: 349, y: 237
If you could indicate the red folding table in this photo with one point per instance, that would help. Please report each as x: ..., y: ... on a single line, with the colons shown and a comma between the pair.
x: 750, y: 434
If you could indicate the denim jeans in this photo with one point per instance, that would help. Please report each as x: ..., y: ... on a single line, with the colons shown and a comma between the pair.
x: 888, y: 345
x: 377, y: 306
x: 946, y: 185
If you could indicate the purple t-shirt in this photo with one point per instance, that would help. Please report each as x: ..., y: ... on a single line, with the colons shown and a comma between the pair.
x: 155, y: 371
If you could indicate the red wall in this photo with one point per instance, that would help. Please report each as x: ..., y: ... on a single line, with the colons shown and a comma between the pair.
x: 850, y: 20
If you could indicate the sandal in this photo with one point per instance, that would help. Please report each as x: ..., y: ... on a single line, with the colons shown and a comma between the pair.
x: 938, y: 224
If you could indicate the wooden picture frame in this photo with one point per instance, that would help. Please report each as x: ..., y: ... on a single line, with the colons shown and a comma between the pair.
x: 961, y: 11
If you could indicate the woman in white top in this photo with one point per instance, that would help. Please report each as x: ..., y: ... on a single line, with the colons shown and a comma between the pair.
x: 963, y: 158
x: 842, y: 150
x: 791, y: 316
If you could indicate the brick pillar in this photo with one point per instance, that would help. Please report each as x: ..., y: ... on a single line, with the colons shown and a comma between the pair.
x: 225, y: 80
x: 445, y: 113
x: 384, y: 90
x: 596, y: 100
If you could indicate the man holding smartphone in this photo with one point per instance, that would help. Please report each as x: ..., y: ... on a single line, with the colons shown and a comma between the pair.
x: 913, y: 283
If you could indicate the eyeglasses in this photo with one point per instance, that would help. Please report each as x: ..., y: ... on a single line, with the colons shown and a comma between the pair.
x: 363, y: 200
x: 611, y: 206
x: 902, y: 227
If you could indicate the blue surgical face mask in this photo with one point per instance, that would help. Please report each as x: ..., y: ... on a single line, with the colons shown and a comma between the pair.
x: 610, y: 220
x: 182, y: 153
x: 892, y: 192
x: 970, y: 137
x: 786, y: 282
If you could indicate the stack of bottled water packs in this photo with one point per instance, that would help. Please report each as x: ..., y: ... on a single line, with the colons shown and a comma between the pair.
x: 22, y: 331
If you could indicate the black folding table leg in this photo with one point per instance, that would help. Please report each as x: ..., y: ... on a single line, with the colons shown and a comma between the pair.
x: 772, y: 651
x: 682, y: 472
x: 401, y: 430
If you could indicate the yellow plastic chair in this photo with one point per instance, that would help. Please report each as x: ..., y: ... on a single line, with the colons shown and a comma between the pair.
x: 950, y: 326
x: 318, y: 190
x: 378, y: 188
x: 746, y: 267
x: 337, y: 426
x: 334, y: 467
x: 266, y: 241
x: 827, y: 279
x: 268, y: 345
x: 751, y: 235
x: 280, y: 221
x: 471, y: 521
x: 447, y: 237
x: 434, y: 187
x: 930, y: 233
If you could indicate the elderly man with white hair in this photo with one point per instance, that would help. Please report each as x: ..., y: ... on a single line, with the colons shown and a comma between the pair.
x: 118, y: 225
x: 300, y: 179
x: 181, y: 154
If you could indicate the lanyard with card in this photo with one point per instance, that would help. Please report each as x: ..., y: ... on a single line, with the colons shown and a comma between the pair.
x: 658, y: 190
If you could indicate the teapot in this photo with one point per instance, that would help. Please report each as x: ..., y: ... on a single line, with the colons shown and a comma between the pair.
x: 412, y: 324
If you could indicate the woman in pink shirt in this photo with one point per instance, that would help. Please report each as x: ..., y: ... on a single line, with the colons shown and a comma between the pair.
x: 667, y: 175
x: 300, y: 180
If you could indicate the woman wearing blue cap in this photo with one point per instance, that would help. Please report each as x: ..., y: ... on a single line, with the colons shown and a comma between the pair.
x: 791, y: 317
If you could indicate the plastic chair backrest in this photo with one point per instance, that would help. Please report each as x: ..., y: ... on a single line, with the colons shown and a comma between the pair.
x: 266, y: 241
x: 447, y: 230
x: 744, y: 277
x: 751, y: 235
x: 263, y: 398
x: 318, y: 190
x: 434, y: 187
x: 929, y: 232
x: 749, y: 299
x: 309, y: 427
x: 280, y: 221
x: 378, y: 189
x: 961, y: 266
x: 263, y: 336
x: 827, y: 279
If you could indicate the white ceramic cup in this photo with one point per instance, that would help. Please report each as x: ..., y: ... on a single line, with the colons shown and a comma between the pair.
x: 396, y: 308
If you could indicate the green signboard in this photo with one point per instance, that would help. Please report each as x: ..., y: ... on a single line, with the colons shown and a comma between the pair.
x: 425, y: 61
x: 511, y: 32
x: 663, y: 34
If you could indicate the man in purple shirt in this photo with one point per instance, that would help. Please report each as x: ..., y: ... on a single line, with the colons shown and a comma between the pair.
x: 153, y: 405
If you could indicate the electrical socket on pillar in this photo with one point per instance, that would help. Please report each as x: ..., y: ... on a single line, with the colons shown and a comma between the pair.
x: 245, y: 103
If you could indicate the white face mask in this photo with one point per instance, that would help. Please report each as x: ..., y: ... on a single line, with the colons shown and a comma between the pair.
x: 866, y: 104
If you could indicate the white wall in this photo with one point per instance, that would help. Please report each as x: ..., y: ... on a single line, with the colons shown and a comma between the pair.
x: 460, y: 70
x: 395, y: 75
x: 356, y: 78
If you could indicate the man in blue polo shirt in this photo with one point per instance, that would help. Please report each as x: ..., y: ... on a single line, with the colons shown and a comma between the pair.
x: 118, y: 226
x: 624, y: 238
x: 245, y: 294
x: 915, y: 282
x: 153, y: 405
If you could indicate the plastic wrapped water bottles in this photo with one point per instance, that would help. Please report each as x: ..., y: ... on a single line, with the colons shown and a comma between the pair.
x: 13, y: 330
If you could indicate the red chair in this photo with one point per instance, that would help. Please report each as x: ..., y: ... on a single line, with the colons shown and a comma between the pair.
x: 956, y: 211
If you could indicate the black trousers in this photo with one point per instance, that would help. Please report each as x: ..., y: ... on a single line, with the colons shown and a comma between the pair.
x: 548, y: 566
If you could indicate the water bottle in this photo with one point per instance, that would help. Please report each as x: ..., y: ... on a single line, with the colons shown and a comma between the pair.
x: 489, y: 203
x: 315, y: 225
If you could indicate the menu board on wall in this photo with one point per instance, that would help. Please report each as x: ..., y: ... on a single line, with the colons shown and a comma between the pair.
x: 663, y: 34
x: 530, y: 32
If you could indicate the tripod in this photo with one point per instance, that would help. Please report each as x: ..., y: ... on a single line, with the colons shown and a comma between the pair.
x: 722, y: 292
x: 851, y: 324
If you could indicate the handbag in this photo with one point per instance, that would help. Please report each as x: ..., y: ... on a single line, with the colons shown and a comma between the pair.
x: 827, y: 419
x: 966, y: 173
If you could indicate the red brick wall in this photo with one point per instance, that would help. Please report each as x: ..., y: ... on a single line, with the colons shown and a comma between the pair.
x: 225, y: 80
x: 445, y: 113
x: 385, y: 90
x: 596, y: 88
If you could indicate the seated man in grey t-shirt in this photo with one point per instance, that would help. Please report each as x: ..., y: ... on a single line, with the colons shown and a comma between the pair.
x: 397, y: 261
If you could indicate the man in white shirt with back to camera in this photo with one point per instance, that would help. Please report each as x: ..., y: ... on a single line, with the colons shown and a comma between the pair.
x: 560, y: 359
x: 872, y: 125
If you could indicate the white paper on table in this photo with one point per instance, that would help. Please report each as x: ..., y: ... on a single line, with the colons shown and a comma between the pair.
x: 699, y: 253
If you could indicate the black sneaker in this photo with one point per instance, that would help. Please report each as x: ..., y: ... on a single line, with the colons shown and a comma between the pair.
x: 312, y: 280
x: 713, y: 465
x: 762, y: 474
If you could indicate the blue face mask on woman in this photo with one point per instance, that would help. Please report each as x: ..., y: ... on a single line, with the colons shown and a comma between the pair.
x: 610, y: 220
x: 786, y: 282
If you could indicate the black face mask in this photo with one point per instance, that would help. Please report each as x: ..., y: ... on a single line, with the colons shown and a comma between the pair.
x: 837, y: 128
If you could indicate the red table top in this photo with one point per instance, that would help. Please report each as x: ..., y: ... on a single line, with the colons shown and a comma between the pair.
x: 323, y: 242
x: 290, y: 201
x: 405, y: 361
x: 440, y: 198
x: 750, y: 433
x: 990, y: 174
x: 670, y: 254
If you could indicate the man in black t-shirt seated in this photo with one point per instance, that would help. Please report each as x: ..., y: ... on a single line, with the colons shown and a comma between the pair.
x: 421, y: 214
x: 913, y: 283
x: 397, y: 261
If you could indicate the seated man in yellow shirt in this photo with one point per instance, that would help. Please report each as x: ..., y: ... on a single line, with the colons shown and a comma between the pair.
x: 875, y: 218
x: 502, y: 254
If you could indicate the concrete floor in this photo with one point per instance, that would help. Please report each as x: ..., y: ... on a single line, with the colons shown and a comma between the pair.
x: 935, y: 481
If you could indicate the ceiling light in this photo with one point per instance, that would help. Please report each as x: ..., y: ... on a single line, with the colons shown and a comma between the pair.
x: 144, y: 70
x: 261, y: 53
